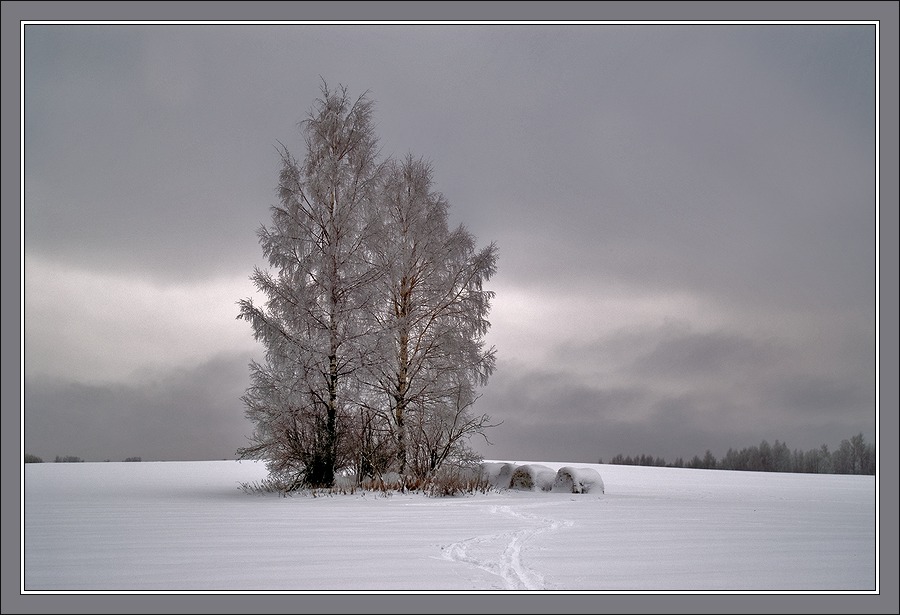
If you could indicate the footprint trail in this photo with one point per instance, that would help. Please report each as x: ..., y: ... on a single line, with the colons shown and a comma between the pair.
x: 501, y: 553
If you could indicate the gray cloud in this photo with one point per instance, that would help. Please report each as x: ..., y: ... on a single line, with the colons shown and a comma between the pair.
x: 680, y: 353
x: 685, y: 216
x: 674, y: 392
x: 585, y: 424
x: 661, y: 146
x: 808, y: 398
x: 190, y: 414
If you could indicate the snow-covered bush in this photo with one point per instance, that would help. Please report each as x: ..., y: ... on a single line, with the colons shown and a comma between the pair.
x: 578, y: 480
x: 498, y: 474
x: 532, y: 477
x: 455, y: 481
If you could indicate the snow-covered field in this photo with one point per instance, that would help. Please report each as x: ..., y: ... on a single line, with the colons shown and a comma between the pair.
x: 187, y: 527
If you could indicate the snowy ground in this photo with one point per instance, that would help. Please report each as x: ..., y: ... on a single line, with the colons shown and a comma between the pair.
x: 186, y: 526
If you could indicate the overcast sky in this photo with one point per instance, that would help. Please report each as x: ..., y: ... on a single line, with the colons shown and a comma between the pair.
x: 685, y: 217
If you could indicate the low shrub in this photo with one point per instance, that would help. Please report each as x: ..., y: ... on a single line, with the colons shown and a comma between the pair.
x: 448, y: 482
x: 266, y: 485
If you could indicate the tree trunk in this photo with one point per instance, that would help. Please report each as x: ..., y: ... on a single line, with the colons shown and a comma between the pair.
x: 400, y: 395
x: 400, y: 403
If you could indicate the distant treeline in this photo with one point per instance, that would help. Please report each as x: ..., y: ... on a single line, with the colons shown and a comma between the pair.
x: 853, y: 456
x: 29, y: 458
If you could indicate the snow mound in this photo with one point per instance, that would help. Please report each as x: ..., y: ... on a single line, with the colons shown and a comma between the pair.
x: 578, y: 480
x: 498, y: 474
x: 532, y: 477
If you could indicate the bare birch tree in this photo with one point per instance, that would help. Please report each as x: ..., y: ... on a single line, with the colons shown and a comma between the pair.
x: 317, y: 289
x: 430, y: 311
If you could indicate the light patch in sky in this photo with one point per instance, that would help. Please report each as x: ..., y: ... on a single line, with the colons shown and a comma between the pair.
x: 529, y: 326
x: 100, y: 327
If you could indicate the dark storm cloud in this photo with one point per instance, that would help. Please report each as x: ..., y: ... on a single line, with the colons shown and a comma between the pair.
x: 189, y: 414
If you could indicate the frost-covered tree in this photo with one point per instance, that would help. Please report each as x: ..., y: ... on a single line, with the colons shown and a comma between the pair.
x: 430, y: 313
x: 862, y: 454
x: 316, y: 291
x: 375, y: 313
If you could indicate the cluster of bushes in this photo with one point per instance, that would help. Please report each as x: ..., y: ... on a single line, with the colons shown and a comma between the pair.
x: 536, y: 477
x: 853, y: 456
x: 448, y: 481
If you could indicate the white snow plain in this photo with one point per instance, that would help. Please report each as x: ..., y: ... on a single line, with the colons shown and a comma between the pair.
x: 166, y: 527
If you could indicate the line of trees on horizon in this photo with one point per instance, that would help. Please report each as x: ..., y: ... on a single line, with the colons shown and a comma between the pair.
x: 29, y: 458
x: 853, y: 456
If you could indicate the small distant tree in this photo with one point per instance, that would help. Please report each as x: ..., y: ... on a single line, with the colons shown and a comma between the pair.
x: 731, y: 460
x: 862, y: 455
x: 132, y: 459
x: 781, y: 457
x: 29, y: 458
x: 842, y: 459
x: 764, y: 458
x: 811, y: 462
x: 824, y: 460
x: 798, y: 461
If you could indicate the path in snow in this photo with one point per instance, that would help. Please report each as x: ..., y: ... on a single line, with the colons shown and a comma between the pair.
x: 501, y: 553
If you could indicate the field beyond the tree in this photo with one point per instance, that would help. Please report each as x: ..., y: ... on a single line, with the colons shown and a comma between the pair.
x: 188, y: 526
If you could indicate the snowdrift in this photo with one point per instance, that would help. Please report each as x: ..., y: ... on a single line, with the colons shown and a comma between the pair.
x: 578, y: 480
x: 497, y: 474
x: 536, y: 477
x: 532, y: 477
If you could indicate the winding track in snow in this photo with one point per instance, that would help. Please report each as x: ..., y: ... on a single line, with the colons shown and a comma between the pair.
x: 503, y: 555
